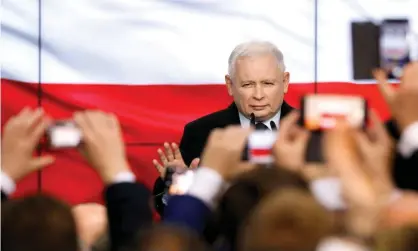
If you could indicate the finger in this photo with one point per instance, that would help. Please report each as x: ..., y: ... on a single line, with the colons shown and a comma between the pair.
x: 24, y: 112
x: 163, y: 158
x: 410, y: 77
x: 39, y: 131
x: 158, y: 166
x: 378, y: 128
x: 168, y: 152
x: 114, y: 121
x: 177, y: 152
x: 80, y: 118
x: 31, y: 120
x: 95, y: 120
x: 195, y: 163
x: 238, y: 136
x: 385, y: 89
x: 337, y: 142
x: 363, y: 142
x: 288, y: 123
x: 41, y: 162
x: 303, y: 137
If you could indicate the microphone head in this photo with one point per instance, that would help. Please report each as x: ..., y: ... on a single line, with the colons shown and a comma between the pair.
x: 273, y: 125
x: 252, y: 119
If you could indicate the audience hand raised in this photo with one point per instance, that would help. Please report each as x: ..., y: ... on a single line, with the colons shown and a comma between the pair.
x: 21, y: 135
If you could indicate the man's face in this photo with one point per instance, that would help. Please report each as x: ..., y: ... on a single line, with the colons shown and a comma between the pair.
x: 258, y: 86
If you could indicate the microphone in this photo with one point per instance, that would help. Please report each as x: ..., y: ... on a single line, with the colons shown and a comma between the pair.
x: 273, y: 126
x: 252, y: 119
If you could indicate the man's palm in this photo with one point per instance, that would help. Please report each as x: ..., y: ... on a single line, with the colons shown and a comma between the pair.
x: 171, y: 157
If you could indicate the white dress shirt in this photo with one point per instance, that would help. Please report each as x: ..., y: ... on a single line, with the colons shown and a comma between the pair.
x: 245, y: 122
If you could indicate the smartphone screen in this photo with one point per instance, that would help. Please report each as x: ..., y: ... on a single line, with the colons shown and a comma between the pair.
x: 259, y: 147
x: 320, y: 112
x: 394, y: 46
x: 63, y: 134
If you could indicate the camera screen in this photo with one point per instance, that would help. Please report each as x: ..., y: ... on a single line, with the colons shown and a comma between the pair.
x: 63, y: 135
x: 394, y: 47
x: 322, y: 111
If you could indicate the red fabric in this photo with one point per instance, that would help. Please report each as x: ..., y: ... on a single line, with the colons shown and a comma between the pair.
x: 149, y: 116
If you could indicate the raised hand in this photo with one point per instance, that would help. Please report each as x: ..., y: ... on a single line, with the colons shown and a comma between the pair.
x: 103, y: 146
x: 171, y: 156
x: 290, y: 147
x: 224, y: 149
x: 21, y: 135
x: 402, y: 102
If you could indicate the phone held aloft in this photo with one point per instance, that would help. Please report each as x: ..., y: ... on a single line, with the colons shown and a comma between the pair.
x: 63, y: 134
x: 259, y: 147
x: 321, y: 112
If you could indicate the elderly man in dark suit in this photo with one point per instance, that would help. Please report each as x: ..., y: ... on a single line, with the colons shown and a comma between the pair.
x: 257, y: 80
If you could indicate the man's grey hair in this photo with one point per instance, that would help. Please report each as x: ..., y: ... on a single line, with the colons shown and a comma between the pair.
x: 254, y: 48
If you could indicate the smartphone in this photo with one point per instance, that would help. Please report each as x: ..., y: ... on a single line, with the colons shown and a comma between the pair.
x: 181, y: 180
x: 258, y: 148
x: 63, y: 134
x: 394, y: 46
x: 321, y: 112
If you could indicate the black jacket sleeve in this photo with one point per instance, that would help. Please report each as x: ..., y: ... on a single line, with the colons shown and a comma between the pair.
x: 128, y: 210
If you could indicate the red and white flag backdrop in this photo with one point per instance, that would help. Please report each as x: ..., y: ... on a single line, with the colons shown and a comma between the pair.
x: 159, y: 64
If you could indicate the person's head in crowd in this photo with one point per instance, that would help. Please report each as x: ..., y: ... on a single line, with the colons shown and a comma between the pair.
x: 257, y: 78
x: 91, y: 221
x: 397, y: 239
x: 244, y: 194
x: 287, y: 219
x: 168, y: 238
x: 38, y: 223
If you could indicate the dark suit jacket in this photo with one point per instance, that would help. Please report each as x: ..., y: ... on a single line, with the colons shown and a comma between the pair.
x: 128, y: 211
x: 3, y: 196
x: 194, y: 139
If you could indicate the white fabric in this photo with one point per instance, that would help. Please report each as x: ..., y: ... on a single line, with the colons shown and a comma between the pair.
x: 327, y: 191
x: 177, y: 42
x: 124, y: 177
x: 206, y: 186
x: 408, y: 142
x: 245, y: 122
x: 338, y: 244
x: 8, y: 186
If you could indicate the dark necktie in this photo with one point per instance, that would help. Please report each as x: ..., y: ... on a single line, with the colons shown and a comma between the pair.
x: 261, y: 126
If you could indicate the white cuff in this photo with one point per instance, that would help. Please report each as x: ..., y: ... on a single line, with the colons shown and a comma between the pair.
x: 8, y: 186
x: 340, y: 244
x: 408, y: 142
x: 327, y: 191
x: 206, y: 186
x: 124, y: 177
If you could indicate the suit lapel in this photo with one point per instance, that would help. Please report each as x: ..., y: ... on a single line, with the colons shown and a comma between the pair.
x: 232, y: 115
x: 286, y: 109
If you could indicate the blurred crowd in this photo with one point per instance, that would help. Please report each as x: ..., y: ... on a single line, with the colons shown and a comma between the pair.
x: 350, y: 202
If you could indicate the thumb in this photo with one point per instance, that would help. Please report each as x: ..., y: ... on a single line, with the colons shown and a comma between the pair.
x: 194, y: 163
x: 41, y: 162
x: 385, y: 89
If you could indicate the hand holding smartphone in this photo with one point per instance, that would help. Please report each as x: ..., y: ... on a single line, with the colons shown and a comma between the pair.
x: 321, y: 112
